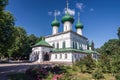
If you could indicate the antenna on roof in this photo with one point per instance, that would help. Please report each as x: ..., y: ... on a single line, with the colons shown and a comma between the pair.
x: 78, y: 16
x: 67, y: 6
x: 55, y: 14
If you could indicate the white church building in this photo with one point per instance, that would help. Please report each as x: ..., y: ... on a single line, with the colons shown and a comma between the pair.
x: 63, y: 47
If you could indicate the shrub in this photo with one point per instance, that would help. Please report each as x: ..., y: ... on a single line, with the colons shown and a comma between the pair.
x: 97, y: 74
x: 117, y: 76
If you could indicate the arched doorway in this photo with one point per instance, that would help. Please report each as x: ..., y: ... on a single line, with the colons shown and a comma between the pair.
x: 46, y: 57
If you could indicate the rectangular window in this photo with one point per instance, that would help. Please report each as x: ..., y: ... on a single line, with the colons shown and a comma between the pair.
x: 60, y: 56
x: 64, y: 45
x: 57, y: 45
x: 55, y: 56
x: 65, y: 56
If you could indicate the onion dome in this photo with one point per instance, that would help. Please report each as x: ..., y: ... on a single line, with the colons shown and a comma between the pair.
x: 55, y: 23
x: 67, y: 17
x: 89, y: 44
x: 79, y: 25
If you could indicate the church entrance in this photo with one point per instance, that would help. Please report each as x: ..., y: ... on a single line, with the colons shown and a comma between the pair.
x: 46, y: 56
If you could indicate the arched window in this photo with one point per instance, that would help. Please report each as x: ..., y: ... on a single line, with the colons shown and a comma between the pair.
x: 64, y: 45
x: 58, y: 45
x: 73, y: 45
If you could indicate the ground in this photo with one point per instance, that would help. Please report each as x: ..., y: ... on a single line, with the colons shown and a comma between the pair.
x: 7, y: 68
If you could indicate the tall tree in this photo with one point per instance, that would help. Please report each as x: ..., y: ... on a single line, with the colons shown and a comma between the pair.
x: 118, y: 33
x: 110, y: 53
x: 19, y: 46
x: 6, y: 28
x: 3, y: 3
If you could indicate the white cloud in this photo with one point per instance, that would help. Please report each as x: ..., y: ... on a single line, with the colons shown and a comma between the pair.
x: 91, y: 9
x: 57, y: 13
x: 50, y: 13
x: 80, y: 6
x: 70, y: 11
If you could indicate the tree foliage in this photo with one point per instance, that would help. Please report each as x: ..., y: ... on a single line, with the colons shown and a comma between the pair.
x: 110, y: 56
x: 6, y: 28
x: 86, y: 64
x: 118, y: 33
x: 3, y: 3
x: 14, y: 41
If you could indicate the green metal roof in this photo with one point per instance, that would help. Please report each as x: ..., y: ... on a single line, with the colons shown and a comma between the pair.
x: 79, y: 25
x: 74, y: 50
x: 55, y: 23
x: 42, y: 43
x: 67, y: 17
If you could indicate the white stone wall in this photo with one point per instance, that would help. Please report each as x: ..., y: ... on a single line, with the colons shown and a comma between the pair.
x: 55, y: 30
x: 61, y: 57
x: 79, y: 31
x: 80, y: 41
x: 59, y: 39
x: 37, y: 53
x: 69, y: 38
x: 77, y: 56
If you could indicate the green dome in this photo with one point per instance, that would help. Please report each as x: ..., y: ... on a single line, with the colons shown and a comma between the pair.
x: 67, y: 17
x: 89, y: 44
x: 55, y: 23
x: 79, y: 25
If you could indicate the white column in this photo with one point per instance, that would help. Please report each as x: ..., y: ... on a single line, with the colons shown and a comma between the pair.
x: 90, y: 48
x: 55, y: 30
x: 67, y: 26
x: 40, y: 57
x: 79, y: 31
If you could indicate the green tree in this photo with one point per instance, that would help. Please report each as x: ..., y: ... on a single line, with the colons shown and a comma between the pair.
x: 31, y: 40
x: 86, y: 64
x: 118, y: 33
x: 3, y: 4
x: 6, y: 28
x: 110, y: 54
x: 18, y: 48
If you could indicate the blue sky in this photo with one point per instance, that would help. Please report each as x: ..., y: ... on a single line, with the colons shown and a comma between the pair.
x: 101, y: 18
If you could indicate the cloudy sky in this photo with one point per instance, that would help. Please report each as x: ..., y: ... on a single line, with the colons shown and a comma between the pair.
x: 101, y: 18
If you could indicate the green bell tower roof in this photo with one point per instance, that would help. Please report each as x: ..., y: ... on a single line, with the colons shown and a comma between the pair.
x: 67, y: 17
x: 79, y: 24
x: 55, y: 23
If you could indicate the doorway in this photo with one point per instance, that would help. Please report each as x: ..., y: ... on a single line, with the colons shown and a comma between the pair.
x: 46, y: 57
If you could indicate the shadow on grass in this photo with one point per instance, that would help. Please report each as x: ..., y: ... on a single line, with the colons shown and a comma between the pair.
x: 18, y: 76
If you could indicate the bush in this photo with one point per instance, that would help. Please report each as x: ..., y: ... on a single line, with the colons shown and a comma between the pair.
x: 37, y: 73
x: 97, y: 74
x: 117, y: 76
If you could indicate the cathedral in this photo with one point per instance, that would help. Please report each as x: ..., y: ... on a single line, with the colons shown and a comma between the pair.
x: 67, y: 46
